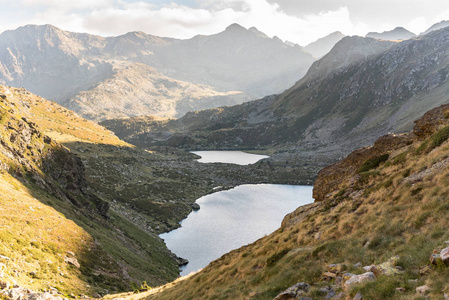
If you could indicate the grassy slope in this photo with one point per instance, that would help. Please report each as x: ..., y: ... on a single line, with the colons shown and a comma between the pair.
x: 382, y: 213
x: 122, y: 253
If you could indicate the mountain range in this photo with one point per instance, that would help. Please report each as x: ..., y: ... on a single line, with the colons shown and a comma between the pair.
x: 363, y: 88
x: 157, y: 76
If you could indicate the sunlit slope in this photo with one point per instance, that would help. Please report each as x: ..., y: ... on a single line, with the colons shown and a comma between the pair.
x: 48, y: 207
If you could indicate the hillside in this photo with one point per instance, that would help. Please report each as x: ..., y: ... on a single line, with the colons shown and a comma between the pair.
x: 56, y: 234
x: 380, y: 212
x: 83, y: 71
x: 362, y: 89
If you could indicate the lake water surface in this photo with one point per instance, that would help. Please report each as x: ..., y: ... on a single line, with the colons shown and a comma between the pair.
x: 230, y: 157
x: 230, y: 219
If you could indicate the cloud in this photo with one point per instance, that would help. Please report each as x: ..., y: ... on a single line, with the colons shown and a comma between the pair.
x: 298, y: 21
x: 212, y: 16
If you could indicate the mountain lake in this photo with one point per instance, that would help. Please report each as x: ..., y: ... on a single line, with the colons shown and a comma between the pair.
x: 230, y: 219
x: 230, y: 157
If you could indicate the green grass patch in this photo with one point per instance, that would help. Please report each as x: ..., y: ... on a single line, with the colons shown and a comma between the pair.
x: 373, y: 162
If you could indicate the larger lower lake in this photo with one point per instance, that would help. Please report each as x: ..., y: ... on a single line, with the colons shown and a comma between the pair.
x: 230, y: 219
x: 230, y: 157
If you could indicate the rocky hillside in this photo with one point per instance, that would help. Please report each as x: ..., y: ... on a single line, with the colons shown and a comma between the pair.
x: 55, y: 233
x: 84, y: 72
x: 362, y: 89
x: 377, y: 230
x: 399, y: 33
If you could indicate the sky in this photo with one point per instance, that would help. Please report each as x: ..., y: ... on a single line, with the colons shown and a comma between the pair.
x: 298, y: 21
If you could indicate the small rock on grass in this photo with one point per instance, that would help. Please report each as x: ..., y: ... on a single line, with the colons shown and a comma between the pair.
x: 358, y: 296
x: 423, y: 290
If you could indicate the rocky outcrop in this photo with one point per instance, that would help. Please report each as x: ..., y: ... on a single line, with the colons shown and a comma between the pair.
x: 294, y: 292
x: 431, y: 121
x: 345, y: 172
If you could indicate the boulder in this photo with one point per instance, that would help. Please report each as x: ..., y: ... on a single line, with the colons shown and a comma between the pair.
x: 369, y: 268
x: 423, y: 290
x: 72, y: 261
x: 434, y: 258
x: 336, y: 268
x: 195, y: 206
x: 4, y: 285
x: 357, y: 279
x: 358, y: 296
x: 387, y: 268
x: 294, y: 291
x: 444, y: 255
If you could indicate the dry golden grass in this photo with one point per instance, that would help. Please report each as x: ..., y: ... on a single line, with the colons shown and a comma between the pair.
x: 36, y: 238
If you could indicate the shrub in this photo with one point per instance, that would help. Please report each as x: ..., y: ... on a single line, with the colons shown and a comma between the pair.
x: 276, y: 257
x: 373, y: 162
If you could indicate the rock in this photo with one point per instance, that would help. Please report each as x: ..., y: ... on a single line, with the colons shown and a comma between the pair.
x: 181, y: 261
x: 424, y: 270
x: 434, y: 258
x: 4, y: 285
x: 339, y: 281
x: 330, y: 294
x: 400, y: 290
x: 5, y: 258
x: 195, y: 206
x: 369, y: 268
x: 318, y: 235
x: 423, y: 290
x: 294, y: 291
x: 358, y: 296
x: 444, y: 255
x: 446, y: 296
x: 72, y: 261
x: 329, y: 275
x: 336, y: 268
x: 387, y: 268
x: 339, y: 296
x: 413, y: 281
x: 358, y: 265
x: 357, y: 279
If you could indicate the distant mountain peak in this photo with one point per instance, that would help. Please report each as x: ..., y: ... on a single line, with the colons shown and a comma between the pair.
x: 235, y: 27
x: 437, y: 26
x: 399, y: 33
x: 323, y: 45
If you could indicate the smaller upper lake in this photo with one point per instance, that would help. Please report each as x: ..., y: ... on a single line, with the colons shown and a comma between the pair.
x: 229, y: 157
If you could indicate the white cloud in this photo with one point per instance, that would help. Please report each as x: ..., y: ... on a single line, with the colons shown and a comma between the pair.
x: 114, y: 17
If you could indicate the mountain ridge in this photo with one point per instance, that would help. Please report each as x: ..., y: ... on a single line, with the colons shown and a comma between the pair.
x: 65, y: 64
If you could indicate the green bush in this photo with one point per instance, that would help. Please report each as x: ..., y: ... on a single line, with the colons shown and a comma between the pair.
x: 373, y: 162
x: 277, y: 256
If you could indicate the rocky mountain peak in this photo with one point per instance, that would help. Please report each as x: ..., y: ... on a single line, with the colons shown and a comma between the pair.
x: 322, y: 46
x: 436, y: 26
x: 399, y: 33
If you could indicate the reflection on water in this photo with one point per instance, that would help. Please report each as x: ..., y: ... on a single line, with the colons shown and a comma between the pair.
x: 230, y: 219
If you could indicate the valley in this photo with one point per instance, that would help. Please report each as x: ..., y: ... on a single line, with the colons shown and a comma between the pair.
x: 90, y: 180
